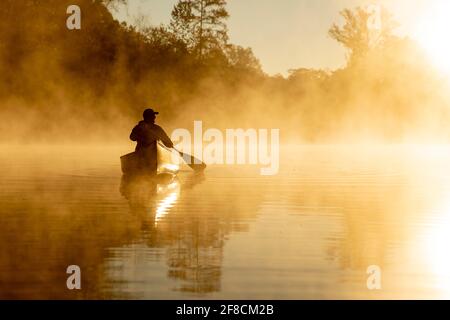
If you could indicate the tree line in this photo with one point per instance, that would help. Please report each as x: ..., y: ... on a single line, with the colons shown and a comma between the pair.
x: 94, y: 82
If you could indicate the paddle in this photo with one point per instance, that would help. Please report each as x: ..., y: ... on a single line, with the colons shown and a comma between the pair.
x: 194, y: 163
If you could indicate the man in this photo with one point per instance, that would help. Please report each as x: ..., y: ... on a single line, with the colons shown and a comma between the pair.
x: 146, y: 134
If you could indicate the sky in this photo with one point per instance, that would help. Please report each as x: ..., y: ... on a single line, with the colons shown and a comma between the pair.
x: 287, y: 34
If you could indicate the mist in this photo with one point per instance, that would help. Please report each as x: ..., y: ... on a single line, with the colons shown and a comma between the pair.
x: 91, y: 85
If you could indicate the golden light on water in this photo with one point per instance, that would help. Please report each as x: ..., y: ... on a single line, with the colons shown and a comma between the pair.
x: 432, y: 32
x: 171, y: 167
x: 165, y: 204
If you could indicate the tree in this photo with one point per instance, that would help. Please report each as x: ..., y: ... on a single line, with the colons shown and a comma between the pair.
x: 364, y: 29
x: 112, y: 4
x: 243, y: 59
x: 201, y: 24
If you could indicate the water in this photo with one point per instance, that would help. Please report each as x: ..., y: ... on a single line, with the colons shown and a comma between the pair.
x: 310, y: 232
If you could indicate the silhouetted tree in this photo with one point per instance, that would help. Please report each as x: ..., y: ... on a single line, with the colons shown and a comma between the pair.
x: 363, y: 30
x: 243, y: 59
x: 201, y: 24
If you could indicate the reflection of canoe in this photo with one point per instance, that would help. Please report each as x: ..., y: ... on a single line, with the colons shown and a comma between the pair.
x: 133, y: 163
x: 142, y: 188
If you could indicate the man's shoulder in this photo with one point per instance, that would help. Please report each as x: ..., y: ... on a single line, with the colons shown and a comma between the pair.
x: 156, y: 127
x: 141, y: 124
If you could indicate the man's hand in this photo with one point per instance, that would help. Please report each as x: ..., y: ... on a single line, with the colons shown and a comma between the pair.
x: 168, y: 144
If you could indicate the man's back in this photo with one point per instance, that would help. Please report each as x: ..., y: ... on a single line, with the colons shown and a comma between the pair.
x: 146, y: 133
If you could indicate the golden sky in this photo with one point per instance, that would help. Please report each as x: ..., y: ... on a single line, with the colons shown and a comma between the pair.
x: 286, y: 34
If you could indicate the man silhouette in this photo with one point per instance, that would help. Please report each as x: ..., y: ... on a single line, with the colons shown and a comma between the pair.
x: 146, y: 133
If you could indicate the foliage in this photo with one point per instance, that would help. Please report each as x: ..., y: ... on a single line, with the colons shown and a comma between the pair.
x: 94, y: 83
x: 201, y: 24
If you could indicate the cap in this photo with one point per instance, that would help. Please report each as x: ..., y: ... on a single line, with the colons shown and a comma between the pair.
x: 149, y: 112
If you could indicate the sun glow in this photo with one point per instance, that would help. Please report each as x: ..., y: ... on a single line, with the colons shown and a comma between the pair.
x: 435, y: 245
x: 433, y: 33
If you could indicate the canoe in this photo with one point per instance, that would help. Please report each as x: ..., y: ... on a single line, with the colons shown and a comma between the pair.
x: 165, y: 161
x: 131, y: 163
x: 140, y: 186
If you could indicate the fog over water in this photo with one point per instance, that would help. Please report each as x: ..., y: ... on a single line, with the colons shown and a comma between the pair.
x: 310, y: 232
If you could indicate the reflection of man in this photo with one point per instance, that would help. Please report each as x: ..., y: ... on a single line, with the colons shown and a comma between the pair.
x: 146, y: 134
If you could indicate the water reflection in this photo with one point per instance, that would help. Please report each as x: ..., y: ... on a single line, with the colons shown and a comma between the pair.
x: 193, y: 244
x: 310, y: 232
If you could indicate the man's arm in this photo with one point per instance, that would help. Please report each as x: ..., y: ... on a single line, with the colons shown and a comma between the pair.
x: 162, y: 135
x: 134, y: 136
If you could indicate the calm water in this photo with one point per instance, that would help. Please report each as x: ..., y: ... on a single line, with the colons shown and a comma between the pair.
x: 308, y: 233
